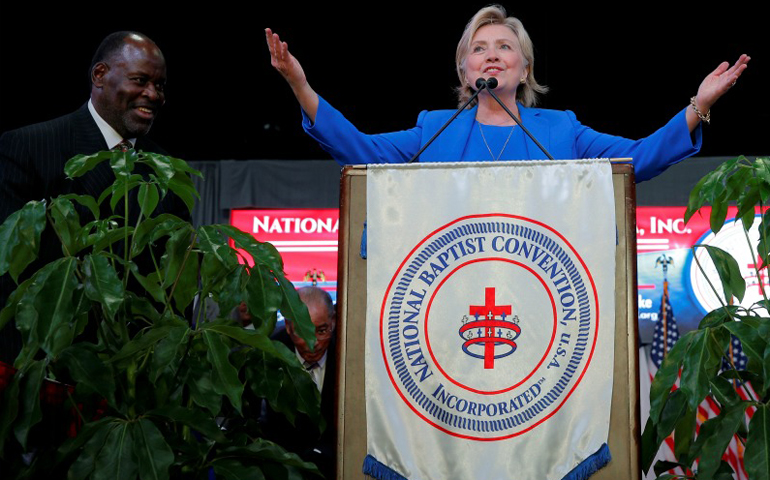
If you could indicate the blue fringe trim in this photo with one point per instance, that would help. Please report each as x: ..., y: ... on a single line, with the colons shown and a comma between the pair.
x: 587, y: 467
x: 590, y: 465
x: 363, y: 243
x: 377, y: 470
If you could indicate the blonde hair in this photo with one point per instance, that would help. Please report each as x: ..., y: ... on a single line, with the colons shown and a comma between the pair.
x: 495, y: 15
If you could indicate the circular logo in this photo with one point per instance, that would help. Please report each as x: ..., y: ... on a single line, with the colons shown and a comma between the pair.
x: 488, y: 326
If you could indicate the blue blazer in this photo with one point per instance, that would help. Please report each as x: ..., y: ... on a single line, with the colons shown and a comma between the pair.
x: 559, y: 131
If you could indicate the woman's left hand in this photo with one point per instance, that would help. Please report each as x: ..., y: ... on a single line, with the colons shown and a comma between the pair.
x: 718, y: 82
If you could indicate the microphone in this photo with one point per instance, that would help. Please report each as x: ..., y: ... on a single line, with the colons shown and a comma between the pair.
x: 481, y: 84
x: 489, y: 83
x: 492, y: 83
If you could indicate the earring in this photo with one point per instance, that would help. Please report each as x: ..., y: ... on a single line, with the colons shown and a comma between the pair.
x: 523, y: 80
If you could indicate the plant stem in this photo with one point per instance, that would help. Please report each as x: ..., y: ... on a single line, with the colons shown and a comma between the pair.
x: 703, y: 272
x: 181, y: 268
x: 166, y: 299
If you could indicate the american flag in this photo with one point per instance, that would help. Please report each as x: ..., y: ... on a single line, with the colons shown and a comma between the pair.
x: 666, y: 334
x: 666, y: 331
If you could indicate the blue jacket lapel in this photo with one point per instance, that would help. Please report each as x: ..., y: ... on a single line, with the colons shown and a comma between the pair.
x: 539, y: 128
x: 452, y: 140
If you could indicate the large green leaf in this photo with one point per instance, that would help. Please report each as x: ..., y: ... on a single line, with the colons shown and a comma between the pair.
x: 150, y: 283
x: 246, y: 337
x: 122, y: 163
x: 232, y: 469
x: 10, y: 409
x: 716, y: 443
x: 763, y: 247
x: 267, y: 451
x: 295, y: 310
x: 86, y: 432
x: 183, y: 187
x: 724, y: 392
x: 701, y: 363
x: 684, y: 432
x: 218, y: 258
x: 30, y: 413
x: 710, y: 188
x: 724, y: 472
x: 46, y: 311
x: 161, y: 165
x: 729, y: 272
x: 106, y: 238
x: 148, y: 198
x: 152, y: 229
x: 232, y: 288
x: 673, y: 410
x: 121, y: 187
x: 141, y: 342
x: 283, y: 382
x: 719, y: 316
x: 153, y: 454
x: 86, y: 201
x: 747, y: 203
x: 7, y: 313
x: 94, y: 436
x: 117, y: 460
x: 263, y: 299
x: 79, y: 165
x: 20, y: 238
x: 262, y: 253
x: 752, y: 343
x: 201, y: 385
x: 225, y: 379
x: 102, y: 284
x: 66, y: 223
x: 88, y: 369
x: 169, y: 351
x: 196, y: 419
x: 183, y: 167
x: 718, y: 212
x: 667, y: 375
x: 756, y: 459
x: 177, y: 246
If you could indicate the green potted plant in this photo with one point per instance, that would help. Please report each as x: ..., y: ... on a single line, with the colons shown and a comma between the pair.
x: 696, y: 358
x: 148, y: 387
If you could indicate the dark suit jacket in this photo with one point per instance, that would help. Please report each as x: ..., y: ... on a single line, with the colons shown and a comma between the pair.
x: 32, y: 162
x: 304, y: 438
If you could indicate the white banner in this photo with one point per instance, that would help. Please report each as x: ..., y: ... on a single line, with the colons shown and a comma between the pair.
x: 490, y: 319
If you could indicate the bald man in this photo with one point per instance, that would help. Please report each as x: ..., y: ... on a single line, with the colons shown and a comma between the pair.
x: 305, y: 439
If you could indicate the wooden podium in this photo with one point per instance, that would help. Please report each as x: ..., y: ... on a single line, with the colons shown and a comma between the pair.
x: 625, y: 429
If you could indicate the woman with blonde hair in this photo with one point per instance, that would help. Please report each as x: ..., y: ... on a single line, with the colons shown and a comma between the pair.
x: 495, y: 45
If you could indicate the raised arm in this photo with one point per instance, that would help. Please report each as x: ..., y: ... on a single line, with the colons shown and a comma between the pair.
x: 288, y: 66
x: 716, y: 84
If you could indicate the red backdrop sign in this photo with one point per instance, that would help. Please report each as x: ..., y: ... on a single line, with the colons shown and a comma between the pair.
x: 306, y: 239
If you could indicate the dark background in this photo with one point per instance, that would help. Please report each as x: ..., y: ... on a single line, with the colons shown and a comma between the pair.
x: 624, y: 70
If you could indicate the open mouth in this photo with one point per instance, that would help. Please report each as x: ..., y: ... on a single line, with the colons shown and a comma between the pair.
x: 145, y: 112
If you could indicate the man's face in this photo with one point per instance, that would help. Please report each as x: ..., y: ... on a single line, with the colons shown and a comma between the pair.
x: 128, y: 88
x: 324, y: 329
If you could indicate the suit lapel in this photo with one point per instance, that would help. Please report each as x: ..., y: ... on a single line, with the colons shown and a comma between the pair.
x: 539, y: 128
x: 86, y: 136
x: 452, y: 140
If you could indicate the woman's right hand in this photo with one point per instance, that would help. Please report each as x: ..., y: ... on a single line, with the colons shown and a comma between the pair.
x: 283, y: 61
x: 288, y: 66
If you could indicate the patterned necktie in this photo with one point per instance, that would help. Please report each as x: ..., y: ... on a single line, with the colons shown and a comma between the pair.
x: 123, y: 146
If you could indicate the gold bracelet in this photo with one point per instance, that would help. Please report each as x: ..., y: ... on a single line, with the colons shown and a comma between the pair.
x: 705, y: 118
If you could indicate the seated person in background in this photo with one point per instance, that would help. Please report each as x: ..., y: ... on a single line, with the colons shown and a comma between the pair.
x: 304, y: 438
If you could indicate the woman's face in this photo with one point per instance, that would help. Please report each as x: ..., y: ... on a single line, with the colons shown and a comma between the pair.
x: 495, y: 52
